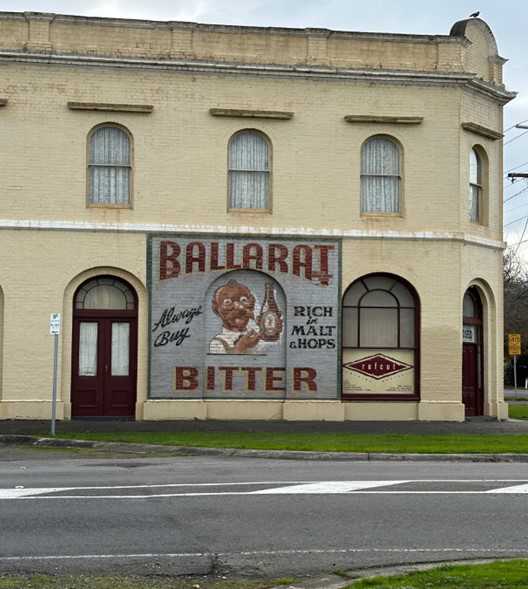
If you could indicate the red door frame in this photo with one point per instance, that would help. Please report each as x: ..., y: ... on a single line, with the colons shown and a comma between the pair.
x: 104, y: 382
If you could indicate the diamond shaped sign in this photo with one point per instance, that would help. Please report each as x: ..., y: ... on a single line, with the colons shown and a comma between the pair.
x: 377, y: 366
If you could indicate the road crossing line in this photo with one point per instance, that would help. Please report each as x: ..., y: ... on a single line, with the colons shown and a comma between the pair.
x: 328, y: 488
x: 273, y: 488
x: 513, y: 489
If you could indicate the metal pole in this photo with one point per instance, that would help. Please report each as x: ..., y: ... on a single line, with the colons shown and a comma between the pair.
x: 515, y: 372
x: 54, y: 387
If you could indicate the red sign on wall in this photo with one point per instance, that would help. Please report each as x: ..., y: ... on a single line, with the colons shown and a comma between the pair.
x: 378, y: 366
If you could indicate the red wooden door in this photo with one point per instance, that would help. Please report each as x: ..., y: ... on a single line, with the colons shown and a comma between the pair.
x: 470, y: 380
x: 104, y: 366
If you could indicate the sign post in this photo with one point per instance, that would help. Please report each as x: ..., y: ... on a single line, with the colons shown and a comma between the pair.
x: 54, y: 329
x: 514, y: 349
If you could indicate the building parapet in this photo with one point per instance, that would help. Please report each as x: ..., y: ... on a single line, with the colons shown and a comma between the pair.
x: 470, y: 48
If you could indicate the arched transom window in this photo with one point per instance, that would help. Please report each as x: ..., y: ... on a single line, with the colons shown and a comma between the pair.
x: 249, y: 171
x: 109, y: 166
x: 380, y: 324
x: 105, y: 293
x: 380, y: 175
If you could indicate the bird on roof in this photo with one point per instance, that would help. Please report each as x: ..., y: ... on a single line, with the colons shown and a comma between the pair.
x: 474, y: 14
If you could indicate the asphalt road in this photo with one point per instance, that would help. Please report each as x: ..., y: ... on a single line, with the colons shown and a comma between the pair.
x: 199, y: 515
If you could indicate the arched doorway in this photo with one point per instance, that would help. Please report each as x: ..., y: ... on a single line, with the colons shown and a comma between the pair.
x: 472, y: 365
x: 104, y: 362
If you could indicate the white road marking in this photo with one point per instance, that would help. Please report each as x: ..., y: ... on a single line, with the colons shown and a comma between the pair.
x: 285, y: 552
x: 514, y: 489
x: 276, y: 488
x: 18, y: 493
x: 327, y: 487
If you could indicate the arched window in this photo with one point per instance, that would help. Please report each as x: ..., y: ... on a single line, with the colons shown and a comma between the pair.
x: 105, y: 293
x: 380, y: 341
x: 249, y: 171
x: 475, y: 187
x: 380, y: 175
x: 109, y: 166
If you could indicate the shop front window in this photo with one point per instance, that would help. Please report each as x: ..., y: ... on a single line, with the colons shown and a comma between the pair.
x: 380, y: 338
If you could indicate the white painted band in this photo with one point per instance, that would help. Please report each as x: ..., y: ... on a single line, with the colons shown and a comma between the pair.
x: 49, y: 224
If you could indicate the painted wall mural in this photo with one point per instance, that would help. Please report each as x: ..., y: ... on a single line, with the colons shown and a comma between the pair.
x: 237, y: 318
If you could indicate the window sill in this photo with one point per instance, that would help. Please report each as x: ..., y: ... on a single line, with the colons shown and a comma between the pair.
x: 250, y: 211
x: 381, y: 216
x: 377, y: 397
x: 108, y: 206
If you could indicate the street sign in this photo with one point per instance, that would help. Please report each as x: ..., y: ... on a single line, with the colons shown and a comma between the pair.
x: 55, y: 324
x: 514, y: 344
x: 54, y: 329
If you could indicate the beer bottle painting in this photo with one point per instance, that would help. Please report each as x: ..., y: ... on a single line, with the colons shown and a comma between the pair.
x: 270, y: 318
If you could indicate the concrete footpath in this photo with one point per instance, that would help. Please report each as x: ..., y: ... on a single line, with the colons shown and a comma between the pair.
x: 34, y: 433
x: 471, y: 426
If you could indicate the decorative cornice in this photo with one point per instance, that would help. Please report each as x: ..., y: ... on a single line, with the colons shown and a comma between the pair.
x: 3, y: 102
x: 111, y: 107
x: 158, y: 228
x: 389, y: 76
x: 383, y: 119
x: 251, y: 114
x: 482, y: 131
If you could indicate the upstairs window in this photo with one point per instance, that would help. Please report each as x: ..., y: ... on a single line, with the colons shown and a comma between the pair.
x: 380, y: 176
x: 249, y: 171
x: 475, y: 187
x: 109, y: 166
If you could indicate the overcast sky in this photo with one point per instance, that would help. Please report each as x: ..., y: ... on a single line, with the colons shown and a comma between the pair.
x: 508, y: 20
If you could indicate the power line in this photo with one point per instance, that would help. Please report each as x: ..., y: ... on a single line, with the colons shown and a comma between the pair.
x: 520, y: 242
x: 515, y: 138
x: 519, y: 206
x: 513, y: 126
x: 516, y: 221
x: 508, y: 185
x: 522, y: 236
x: 515, y: 195
x: 515, y: 168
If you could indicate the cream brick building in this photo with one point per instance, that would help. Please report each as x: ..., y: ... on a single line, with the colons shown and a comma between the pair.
x: 349, y: 183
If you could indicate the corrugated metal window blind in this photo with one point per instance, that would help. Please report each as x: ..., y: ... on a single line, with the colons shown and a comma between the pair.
x: 249, y: 171
x: 475, y: 188
x: 380, y: 176
x: 109, y: 166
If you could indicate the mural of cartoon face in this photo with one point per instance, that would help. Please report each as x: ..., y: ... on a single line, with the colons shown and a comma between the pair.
x: 235, y: 305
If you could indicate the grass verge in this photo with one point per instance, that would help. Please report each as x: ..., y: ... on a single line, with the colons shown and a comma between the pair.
x: 511, y: 574
x: 324, y: 442
x: 518, y: 411
x: 118, y: 582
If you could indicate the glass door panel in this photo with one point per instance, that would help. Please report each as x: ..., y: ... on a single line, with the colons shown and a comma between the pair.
x: 120, y: 359
x: 88, y: 349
